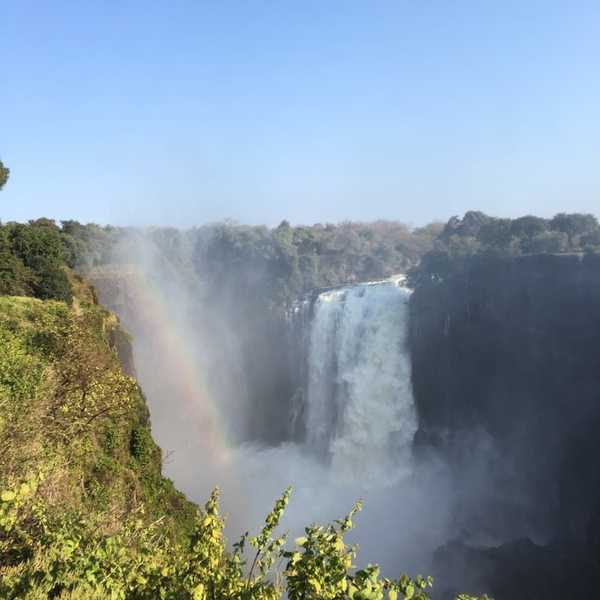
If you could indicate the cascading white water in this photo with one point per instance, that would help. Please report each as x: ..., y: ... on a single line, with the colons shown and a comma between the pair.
x: 352, y: 402
x: 360, y: 410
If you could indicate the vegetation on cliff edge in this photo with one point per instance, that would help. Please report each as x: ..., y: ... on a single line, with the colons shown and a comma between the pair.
x: 478, y: 238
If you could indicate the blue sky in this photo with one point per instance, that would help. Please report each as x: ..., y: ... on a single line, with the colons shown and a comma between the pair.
x: 185, y: 112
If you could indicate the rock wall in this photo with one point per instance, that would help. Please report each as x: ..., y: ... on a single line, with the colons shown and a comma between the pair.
x: 508, y: 350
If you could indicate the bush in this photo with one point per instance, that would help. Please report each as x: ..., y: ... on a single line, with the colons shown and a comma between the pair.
x: 141, y: 444
x: 70, y: 559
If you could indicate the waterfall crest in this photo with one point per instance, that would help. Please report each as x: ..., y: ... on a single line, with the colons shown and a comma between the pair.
x: 359, y: 410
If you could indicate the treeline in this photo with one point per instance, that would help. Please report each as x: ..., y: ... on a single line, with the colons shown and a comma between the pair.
x: 478, y: 237
x: 270, y: 265
x: 34, y: 255
x: 278, y: 265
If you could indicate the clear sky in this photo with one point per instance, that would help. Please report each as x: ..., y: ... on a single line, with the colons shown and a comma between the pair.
x: 183, y: 112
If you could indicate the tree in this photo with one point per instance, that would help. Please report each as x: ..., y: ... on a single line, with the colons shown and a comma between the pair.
x: 496, y: 234
x: 574, y: 224
x: 15, y: 278
x: 591, y: 241
x: 469, y: 225
x: 551, y: 242
x: 4, y: 174
x: 528, y: 226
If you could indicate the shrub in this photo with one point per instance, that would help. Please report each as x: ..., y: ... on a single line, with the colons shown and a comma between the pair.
x: 68, y: 558
x: 141, y: 444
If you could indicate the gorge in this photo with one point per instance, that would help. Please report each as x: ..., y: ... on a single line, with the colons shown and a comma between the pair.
x: 478, y: 457
x: 346, y: 420
x: 459, y: 401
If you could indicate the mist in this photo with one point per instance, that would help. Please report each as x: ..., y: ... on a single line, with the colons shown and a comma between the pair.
x: 189, y: 349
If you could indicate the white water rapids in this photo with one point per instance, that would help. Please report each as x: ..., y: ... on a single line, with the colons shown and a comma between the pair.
x: 360, y: 410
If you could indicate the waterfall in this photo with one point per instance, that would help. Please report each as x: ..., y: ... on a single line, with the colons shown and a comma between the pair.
x: 347, y: 414
x: 359, y: 410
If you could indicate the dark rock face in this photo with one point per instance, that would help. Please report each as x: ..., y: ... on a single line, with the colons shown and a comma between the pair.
x: 520, y: 570
x: 510, y: 348
x: 121, y: 342
x: 509, y: 339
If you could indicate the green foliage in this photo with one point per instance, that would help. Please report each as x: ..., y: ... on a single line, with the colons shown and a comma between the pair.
x: 270, y: 268
x: 552, y: 242
x: 141, y: 444
x: 496, y: 233
x: 4, y: 174
x: 68, y: 410
x: 111, y: 439
x: 528, y: 226
x: 477, y: 237
x: 52, y: 283
x: 15, y: 278
x: 45, y: 557
x: 88, y: 245
x: 574, y: 224
x: 33, y: 261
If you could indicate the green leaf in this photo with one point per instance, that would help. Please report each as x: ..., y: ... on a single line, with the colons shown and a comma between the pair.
x: 7, y: 496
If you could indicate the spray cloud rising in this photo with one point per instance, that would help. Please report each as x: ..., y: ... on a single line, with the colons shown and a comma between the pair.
x: 349, y: 430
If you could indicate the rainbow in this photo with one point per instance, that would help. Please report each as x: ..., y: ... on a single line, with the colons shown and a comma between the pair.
x: 144, y: 307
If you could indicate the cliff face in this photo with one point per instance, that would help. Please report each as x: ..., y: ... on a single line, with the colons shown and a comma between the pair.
x: 74, y: 417
x: 509, y: 340
x: 508, y: 351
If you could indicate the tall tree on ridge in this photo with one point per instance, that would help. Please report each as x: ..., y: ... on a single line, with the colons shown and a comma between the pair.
x: 4, y: 173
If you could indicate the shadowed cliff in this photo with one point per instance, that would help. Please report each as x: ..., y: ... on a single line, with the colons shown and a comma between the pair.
x: 506, y: 376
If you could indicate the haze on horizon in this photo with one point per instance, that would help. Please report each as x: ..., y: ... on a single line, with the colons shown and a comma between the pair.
x: 182, y: 113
